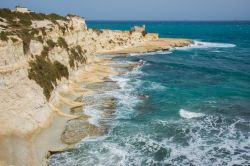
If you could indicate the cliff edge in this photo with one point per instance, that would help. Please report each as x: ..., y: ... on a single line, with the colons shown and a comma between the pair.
x: 40, y: 55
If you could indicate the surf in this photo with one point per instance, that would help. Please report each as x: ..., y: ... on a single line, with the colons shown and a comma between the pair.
x: 189, y: 115
x: 205, y: 45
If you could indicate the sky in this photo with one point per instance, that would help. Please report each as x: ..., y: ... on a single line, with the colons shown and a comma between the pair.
x: 165, y: 10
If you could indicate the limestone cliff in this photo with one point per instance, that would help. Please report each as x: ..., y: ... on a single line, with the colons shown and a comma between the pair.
x: 36, y: 60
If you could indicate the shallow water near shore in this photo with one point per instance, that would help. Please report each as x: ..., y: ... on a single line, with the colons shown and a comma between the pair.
x: 186, y: 106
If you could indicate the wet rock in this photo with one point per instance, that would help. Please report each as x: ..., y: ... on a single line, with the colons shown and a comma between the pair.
x: 76, y: 110
x: 128, y: 66
x: 103, y: 86
x: 77, y: 129
x: 100, y: 101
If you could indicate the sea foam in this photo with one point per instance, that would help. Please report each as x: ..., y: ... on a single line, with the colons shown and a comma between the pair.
x: 203, y: 45
x: 189, y: 115
x: 150, y: 53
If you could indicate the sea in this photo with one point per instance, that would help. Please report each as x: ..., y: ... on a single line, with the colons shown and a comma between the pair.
x: 187, y: 106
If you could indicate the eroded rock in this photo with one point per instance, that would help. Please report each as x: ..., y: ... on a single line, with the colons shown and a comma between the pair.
x: 77, y: 129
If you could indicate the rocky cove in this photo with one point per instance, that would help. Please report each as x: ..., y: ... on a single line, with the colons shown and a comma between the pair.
x: 49, y: 73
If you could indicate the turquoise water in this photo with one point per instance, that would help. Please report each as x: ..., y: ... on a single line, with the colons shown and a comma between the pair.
x: 195, y: 108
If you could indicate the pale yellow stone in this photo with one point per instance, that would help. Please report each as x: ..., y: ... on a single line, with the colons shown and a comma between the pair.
x: 31, y: 125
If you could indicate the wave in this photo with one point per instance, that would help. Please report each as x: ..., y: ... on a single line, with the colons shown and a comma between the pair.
x: 126, y: 95
x: 217, y: 51
x: 151, y: 53
x: 202, y: 45
x: 94, y: 115
x: 203, y: 144
x: 189, y: 115
x: 149, y: 85
x: 213, y: 140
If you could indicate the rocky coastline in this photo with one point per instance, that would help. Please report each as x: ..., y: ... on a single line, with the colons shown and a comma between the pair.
x: 49, y: 72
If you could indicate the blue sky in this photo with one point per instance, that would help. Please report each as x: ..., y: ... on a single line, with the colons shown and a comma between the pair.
x: 141, y: 9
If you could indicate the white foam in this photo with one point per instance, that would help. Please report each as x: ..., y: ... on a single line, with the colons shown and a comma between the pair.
x: 150, y: 53
x: 206, y: 144
x: 189, y: 115
x: 204, y: 45
x: 94, y: 114
x: 156, y: 86
x: 217, y: 51
x: 126, y: 95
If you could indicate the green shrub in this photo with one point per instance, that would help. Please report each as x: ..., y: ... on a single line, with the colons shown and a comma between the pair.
x: 20, y: 25
x: 144, y: 33
x: 25, y: 19
x: 26, y: 37
x: 76, y: 54
x: 111, y: 41
x: 7, y: 14
x: 45, y: 73
x: 72, y: 15
x: 14, y: 40
x: 15, y: 24
x: 38, y: 16
x: 25, y: 22
x: 3, y: 36
x: 34, y: 31
x: 54, y: 17
x: 39, y: 38
x: 51, y: 44
x: 62, y: 29
x: 45, y: 51
x: 97, y: 31
x: 62, y: 43
x: 131, y: 31
x: 3, y: 26
x: 43, y: 31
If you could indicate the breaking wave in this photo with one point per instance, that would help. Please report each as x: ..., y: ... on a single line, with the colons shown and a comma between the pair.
x: 189, y: 115
x: 151, y: 53
x: 212, y: 140
x: 202, y: 45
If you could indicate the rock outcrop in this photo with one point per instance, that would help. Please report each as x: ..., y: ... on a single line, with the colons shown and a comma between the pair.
x: 37, y: 61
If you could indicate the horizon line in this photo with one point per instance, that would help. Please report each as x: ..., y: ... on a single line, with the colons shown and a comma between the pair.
x: 172, y: 20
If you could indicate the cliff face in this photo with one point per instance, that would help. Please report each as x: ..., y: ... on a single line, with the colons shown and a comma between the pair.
x: 42, y: 58
x: 64, y: 47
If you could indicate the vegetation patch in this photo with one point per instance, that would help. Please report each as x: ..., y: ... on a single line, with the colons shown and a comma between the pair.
x: 111, y: 41
x: 39, y: 38
x: 3, y: 36
x: 131, y: 31
x: 144, y: 33
x: 51, y: 44
x: 53, y: 17
x: 20, y: 24
x: 25, y: 19
x: 63, y: 28
x: 46, y: 73
x: 62, y: 43
x: 45, y: 52
x: 77, y: 55
x: 26, y: 37
x: 43, y: 31
x: 34, y: 31
x: 14, y: 40
x: 97, y: 31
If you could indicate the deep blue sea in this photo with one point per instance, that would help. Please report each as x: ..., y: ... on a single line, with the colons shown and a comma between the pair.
x: 188, y: 106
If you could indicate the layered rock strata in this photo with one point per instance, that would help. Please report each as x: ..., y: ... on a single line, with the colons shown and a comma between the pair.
x: 32, y: 111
